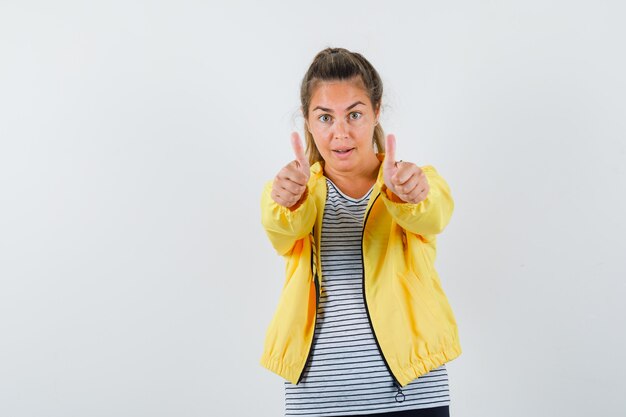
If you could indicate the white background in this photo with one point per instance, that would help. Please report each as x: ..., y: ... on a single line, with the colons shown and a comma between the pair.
x: 135, y: 138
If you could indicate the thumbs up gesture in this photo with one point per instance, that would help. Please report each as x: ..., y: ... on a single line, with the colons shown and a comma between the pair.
x: 290, y: 182
x: 405, y: 179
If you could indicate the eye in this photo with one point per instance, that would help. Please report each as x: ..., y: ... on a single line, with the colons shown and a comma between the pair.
x: 324, y: 118
x: 355, y: 115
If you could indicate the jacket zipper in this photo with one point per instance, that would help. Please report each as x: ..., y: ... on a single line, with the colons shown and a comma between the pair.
x: 400, y: 397
x: 317, y: 300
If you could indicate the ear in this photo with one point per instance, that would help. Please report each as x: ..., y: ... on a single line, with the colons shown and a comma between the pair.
x: 377, y: 113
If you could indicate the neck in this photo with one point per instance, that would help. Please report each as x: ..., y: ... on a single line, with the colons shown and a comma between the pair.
x: 358, y: 181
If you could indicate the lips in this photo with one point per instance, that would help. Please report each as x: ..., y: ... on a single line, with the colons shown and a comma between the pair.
x: 343, y: 154
x: 342, y: 151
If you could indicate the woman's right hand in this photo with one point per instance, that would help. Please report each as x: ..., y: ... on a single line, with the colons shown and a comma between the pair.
x: 290, y: 183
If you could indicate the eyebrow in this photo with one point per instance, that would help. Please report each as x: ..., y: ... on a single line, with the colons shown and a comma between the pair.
x: 330, y: 111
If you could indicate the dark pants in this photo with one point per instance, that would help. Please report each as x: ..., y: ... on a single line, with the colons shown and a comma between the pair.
x: 422, y: 412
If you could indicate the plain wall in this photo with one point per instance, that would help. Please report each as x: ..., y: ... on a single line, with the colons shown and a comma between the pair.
x: 136, y: 136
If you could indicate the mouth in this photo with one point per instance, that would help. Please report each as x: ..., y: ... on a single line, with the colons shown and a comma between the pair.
x: 343, y: 151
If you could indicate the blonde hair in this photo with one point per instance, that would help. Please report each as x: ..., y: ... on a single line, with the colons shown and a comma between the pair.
x: 333, y: 64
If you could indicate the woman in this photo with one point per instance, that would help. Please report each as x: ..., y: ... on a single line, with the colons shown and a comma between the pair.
x: 365, y: 327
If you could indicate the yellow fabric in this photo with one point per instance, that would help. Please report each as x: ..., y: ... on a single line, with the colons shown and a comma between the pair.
x: 410, y: 313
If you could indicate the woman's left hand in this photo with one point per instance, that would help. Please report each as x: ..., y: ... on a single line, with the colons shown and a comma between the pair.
x: 405, y: 179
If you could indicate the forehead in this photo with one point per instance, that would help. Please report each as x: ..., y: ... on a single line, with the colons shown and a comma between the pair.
x: 338, y: 93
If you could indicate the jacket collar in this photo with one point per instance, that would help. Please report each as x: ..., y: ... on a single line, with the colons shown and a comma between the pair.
x: 317, y: 169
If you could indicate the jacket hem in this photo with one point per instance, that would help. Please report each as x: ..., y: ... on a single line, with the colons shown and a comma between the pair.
x: 417, y: 369
x: 289, y: 372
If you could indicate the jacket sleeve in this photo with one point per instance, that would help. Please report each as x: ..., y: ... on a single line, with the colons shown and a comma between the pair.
x: 285, y: 226
x: 428, y: 217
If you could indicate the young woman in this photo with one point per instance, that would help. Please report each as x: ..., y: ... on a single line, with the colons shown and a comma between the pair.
x: 362, y: 326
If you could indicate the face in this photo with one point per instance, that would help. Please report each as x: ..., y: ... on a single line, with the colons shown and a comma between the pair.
x: 342, y: 120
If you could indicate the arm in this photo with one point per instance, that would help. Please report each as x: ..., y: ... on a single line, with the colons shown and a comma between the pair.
x: 284, y: 226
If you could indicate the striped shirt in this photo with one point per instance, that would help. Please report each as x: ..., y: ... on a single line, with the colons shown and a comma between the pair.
x: 346, y: 373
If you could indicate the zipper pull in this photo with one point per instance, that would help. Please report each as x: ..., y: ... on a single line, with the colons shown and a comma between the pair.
x: 400, y: 397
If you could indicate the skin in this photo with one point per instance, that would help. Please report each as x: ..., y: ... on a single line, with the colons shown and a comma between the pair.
x: 342, y: 117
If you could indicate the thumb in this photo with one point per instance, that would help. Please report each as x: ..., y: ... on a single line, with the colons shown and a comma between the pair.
x: 390, y: 152
x: 298, y: 150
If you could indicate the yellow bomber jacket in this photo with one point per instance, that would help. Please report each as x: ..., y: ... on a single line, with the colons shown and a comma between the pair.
x: 410, y: 315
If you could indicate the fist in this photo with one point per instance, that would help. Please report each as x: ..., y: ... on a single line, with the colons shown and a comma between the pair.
x: 290, y: 182
x: 405, y: 179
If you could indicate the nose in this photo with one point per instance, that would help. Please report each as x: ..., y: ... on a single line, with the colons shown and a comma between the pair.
x: 340, y: 129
